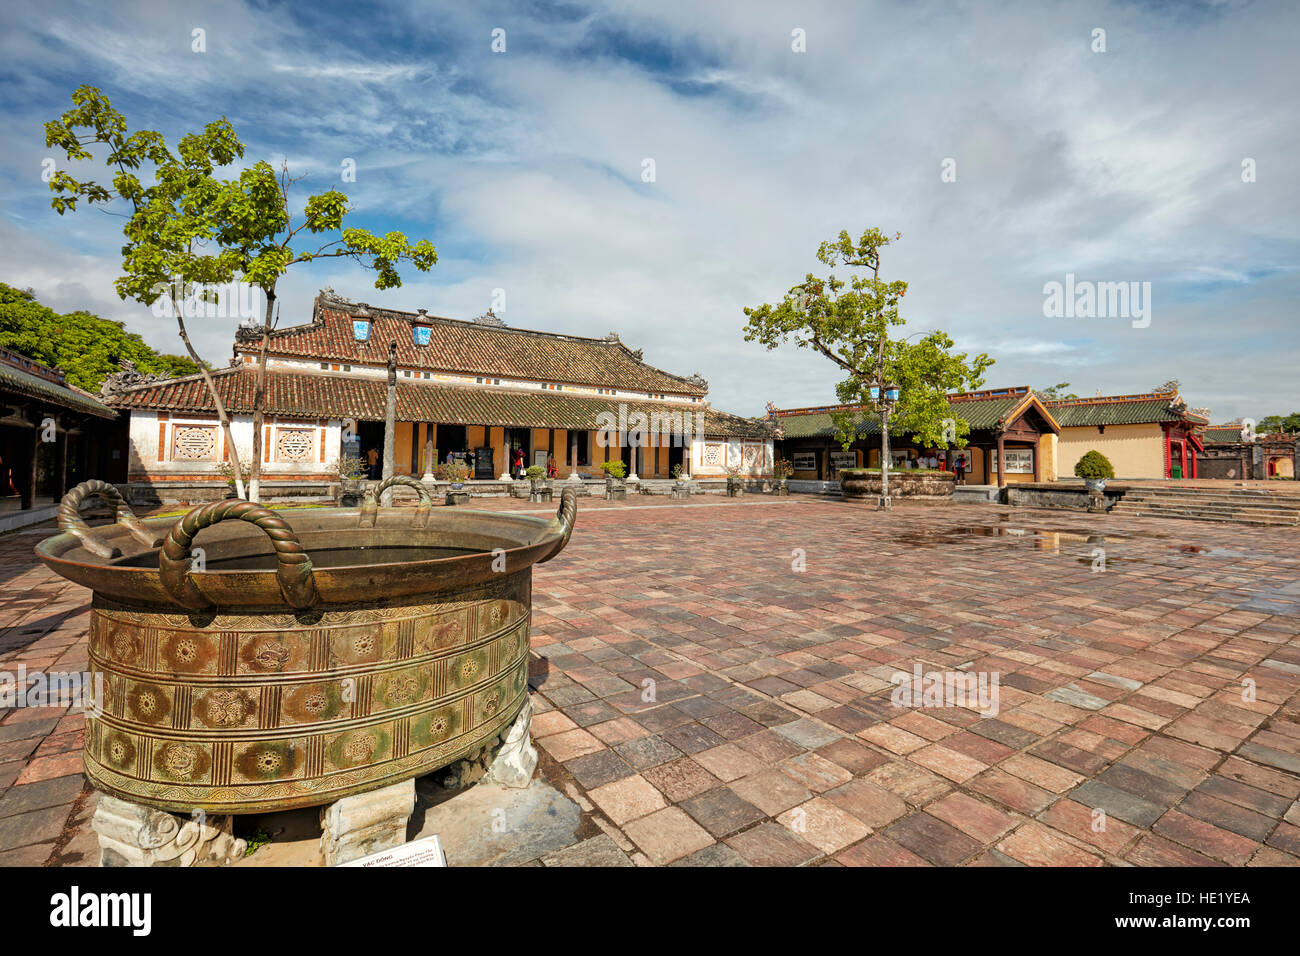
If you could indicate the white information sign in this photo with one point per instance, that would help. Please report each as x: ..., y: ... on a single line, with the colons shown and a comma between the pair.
x: 426, y: 851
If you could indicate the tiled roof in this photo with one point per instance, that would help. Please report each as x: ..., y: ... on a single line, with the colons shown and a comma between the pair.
x: 982, y: 410
x: 307, y: 395
x: 1223, y: 435
x: 1122, y: 410
x: 469, y: 347
x: 38, y: 386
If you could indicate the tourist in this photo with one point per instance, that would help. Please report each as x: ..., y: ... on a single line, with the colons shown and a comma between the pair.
x: 959, y: 469
x: 552, y: 469
x: 372, y: 463
x: 519, y: 463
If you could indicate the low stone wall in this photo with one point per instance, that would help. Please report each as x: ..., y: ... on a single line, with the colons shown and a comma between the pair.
x: 1053, y: 495
x: 902, y: 484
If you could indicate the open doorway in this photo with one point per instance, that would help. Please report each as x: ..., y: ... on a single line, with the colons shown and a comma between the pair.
x: 370, y: 446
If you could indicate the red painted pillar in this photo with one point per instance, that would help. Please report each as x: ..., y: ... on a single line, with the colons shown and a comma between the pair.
x: 1169, y: 451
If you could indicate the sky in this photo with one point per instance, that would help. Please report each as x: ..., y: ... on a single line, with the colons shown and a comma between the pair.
x: 1007, y: 147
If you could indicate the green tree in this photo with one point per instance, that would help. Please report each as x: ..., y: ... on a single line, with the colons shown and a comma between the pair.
x: 1270, y: 424
x: 1056, y: 392
x: 86, y: 347
x: 193, y: 229
x: 850, y: 322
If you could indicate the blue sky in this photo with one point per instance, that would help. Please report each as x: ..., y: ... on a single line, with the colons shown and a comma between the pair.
x: 524, y: 169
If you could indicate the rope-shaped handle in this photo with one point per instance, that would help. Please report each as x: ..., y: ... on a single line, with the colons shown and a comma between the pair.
x: 70, y: 519
x: 293, y: 568
x: 370, y: 505
x: 565, y: 516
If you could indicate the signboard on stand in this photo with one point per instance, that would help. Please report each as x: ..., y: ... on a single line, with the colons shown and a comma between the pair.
x: 426, y: 851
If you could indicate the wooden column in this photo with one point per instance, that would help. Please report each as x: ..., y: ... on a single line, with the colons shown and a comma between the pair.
x: 1034, y: 451
x: 1002, y: 462
x: 60, y: 464
x: 27, y: 499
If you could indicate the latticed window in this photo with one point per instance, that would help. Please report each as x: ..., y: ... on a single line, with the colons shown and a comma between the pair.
x: 294, y: 444
x: 194, y: 442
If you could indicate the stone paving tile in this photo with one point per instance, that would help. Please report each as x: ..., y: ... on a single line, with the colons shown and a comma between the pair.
x: 824, y: 825
x: 770, y: 844
x: 1118, y: 692
x: 667, y: 835
x: 595, y: 851
x: 722, y: 811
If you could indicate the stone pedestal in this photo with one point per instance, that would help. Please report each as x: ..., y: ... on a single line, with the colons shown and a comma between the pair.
x: 455, y: 497
x: 884, y: 504
x: 508, y: 759
x: 1096, y: 501
x: 134, y: 835
x: 615, y: 492
x: 366, y: 823
x: 542, y: 494
x: 681, y: 490
x: 782, y: 490
x: 735, y: 488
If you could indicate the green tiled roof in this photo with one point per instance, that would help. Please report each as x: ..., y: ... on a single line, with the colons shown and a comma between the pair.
x: 1222, y: 436
x: 981, y: 413
x: 33, y: 386
x: 1136, y: 411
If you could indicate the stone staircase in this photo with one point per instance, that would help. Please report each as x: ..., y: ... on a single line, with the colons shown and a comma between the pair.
x: 1249, y: 506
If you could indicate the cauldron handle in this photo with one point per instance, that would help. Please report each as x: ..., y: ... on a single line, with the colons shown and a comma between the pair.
x: 370, y: 505
x: 293, y: 568
x: 72, y: 522
x: 562, y: 524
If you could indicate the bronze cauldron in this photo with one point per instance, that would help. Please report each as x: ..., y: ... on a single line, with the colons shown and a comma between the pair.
x: 294, y: 657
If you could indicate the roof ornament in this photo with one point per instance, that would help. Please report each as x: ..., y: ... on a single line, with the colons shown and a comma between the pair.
x: 612, y: 337
x: 639, y: 355
x: 700, y: 381
x: 128, y: 376
x: 488, y: 318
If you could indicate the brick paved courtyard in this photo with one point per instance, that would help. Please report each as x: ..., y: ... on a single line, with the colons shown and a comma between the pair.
x: 706, y: 703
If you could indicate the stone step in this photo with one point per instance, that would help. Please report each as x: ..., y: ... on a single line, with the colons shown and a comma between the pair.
x: 1139, y: 510
x: 1221, y: 519
x: 1184, y: 505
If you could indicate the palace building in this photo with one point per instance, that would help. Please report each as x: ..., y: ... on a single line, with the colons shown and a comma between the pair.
x: 1009, y: 425
x: 52, y: 436
x: 1147, y: 435
x: 478, y: 390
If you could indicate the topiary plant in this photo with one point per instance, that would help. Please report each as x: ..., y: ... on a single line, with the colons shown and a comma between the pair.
x: 614, y: 469
x: 534, y: 472
x: 1093, y: 465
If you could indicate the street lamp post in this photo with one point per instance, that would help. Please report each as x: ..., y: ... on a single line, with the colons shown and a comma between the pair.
x: 884, y: 398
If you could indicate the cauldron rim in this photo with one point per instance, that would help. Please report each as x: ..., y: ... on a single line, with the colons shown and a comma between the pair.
x: 524, y: 540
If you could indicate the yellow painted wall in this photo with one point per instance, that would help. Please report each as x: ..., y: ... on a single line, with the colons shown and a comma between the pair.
x: 1048, y: 452
x: 402, y: 436
x: 497, y: 441
x: 1135, y: 451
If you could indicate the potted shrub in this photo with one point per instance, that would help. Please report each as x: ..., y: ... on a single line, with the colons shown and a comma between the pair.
x: 615, y: 471
x: 539, y: 490
x: 682, y: 489
x: 735, y: 482
x: 782, y: 470
x: 1094, y: 468
x: 457, y: 474
x: 227, y: 471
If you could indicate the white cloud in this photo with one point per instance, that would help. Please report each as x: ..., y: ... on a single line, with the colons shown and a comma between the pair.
x: 525, y: 169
